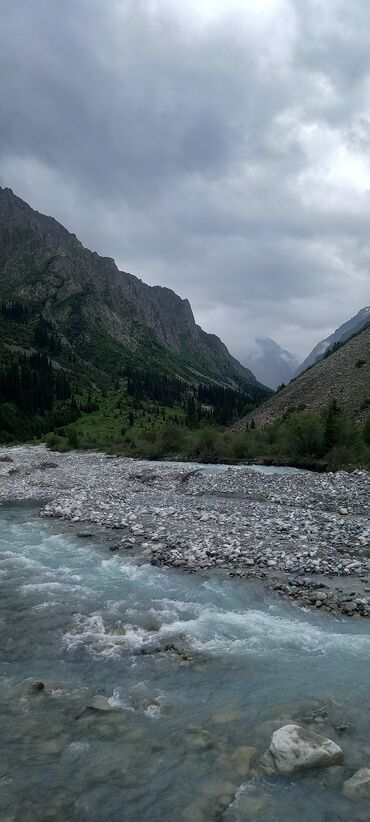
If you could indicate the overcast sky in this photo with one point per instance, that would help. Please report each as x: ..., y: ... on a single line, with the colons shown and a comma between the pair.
x: 219, y: 147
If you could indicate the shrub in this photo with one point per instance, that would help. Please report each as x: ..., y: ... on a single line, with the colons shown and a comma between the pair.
x: 340, y: 456
x: 172, y: 438
x: 305, y: 434
x: 52, y: 439
x: 206, y: 444
x: 366, y: 432
x: 72, y: 438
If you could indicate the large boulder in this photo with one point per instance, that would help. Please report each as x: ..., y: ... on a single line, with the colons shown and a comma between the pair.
x: 295, y: 749
x: 358, y: 786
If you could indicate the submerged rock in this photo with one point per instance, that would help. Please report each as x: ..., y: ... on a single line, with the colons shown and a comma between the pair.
x: 242, y: 758
x: 224, y: 717
x: 100, y: 703
x: 147, y: 704
x: 4, y: 769
x: 358, y: 786
x: 52, y: 746
x: 294, y: 749
x: 35, y: 687
x: 198, y: 739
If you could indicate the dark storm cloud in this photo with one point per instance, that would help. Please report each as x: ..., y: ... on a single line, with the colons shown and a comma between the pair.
x: 223, y: 151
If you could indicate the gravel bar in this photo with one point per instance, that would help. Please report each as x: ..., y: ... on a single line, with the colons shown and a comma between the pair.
x: 306, y: 535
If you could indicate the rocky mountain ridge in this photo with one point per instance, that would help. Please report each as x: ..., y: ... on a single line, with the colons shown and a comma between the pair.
x: 106, y: 316
x: 340, y: 335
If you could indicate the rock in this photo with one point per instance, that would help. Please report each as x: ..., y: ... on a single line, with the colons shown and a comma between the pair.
x: 35, y: 687
x: 343, y: 512
x: 52, y: 746
x: 294, y: 749
x: 358, y: 786
x: 224, y: 717
x: 320, y: 596
x: 146, y: 705
x: 100, y: 703
x: 198, y: 739
x: 4, y: 769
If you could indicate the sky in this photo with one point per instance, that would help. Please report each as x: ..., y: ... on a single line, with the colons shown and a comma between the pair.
x: 218, y: 147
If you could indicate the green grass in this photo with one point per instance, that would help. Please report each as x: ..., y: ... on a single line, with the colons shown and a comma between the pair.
x: 110, y: 427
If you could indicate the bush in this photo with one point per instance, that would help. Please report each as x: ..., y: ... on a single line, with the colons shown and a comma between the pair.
x: 52, y: 439
x: 304, y: 434
x: 340, y: 456
x: 206, y: 444
x: 72, y: 438
x: 172, y: 439
x: 366, y: 432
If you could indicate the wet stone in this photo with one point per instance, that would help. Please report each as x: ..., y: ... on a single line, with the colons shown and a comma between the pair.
x: 35, y: 687
x: 100, y: 704
x: 294, y: 749
x: 358, y: 786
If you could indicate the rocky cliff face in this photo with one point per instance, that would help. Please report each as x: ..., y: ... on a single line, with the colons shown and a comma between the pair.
x: 344, y: 376
x: 96, y: 308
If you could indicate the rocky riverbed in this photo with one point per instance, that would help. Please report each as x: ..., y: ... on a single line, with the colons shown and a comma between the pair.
x: 307, y: 535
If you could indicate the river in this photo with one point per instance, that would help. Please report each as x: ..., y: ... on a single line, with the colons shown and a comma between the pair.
x: 177, y: 740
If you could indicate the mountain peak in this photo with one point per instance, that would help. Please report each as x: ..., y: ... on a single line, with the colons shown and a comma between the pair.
x: 272, y: 364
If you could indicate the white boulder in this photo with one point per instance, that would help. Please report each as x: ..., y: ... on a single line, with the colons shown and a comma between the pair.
x: 295, y: 749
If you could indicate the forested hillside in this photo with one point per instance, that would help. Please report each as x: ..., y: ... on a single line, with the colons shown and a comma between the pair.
x: 76, y: 334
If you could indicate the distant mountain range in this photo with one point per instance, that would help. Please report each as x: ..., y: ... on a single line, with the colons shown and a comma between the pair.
x: 340, y: 335
x: 343, y: 375
x: 272, y: 364
x: 103, y: 317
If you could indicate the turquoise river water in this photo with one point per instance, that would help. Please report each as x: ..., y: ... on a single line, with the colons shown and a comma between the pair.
x: 197, y: 670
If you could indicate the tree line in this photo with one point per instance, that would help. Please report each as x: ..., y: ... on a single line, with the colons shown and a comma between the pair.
x: 202, y: 403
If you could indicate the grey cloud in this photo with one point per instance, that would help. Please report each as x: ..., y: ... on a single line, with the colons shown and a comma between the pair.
x: 229, y: 165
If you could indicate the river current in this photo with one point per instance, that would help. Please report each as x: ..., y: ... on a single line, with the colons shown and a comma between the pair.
x: 198, y: 671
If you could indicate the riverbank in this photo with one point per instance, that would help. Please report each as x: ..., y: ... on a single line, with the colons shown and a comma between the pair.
x: 307, y: 536
x: 319, y: 467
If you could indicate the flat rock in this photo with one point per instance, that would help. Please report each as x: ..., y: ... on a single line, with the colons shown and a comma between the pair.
x: 100, y: 703
x: 358, y: 786
x: 294, y: 749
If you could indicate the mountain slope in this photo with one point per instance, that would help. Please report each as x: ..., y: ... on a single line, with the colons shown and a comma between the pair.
x: 344, y: 376
x: 272, y: 364
x: 341, y: 334
x: 106, y: 317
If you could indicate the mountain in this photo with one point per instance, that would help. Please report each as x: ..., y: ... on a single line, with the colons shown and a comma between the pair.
x: 105, y: 317
x: 344, y: 375
x: 340, y: 335
x: 272, y: 364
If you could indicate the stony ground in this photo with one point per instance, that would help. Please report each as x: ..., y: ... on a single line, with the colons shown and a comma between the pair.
x: 307, y: 535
